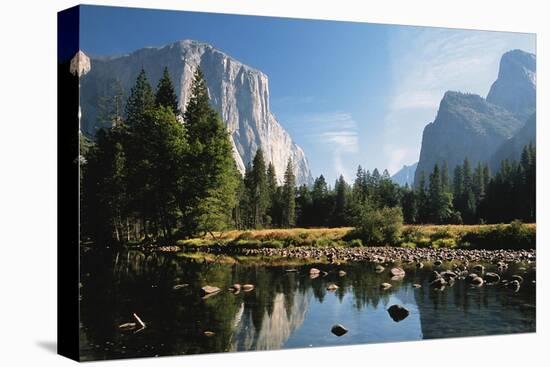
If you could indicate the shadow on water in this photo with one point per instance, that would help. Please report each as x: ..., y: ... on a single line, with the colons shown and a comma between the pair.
x: 286, y: 309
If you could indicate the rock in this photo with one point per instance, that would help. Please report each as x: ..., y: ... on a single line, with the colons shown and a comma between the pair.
x: 379, y: 268
x: 247, y: 287
x: 470, y: 278
x: 514, y: 285
x: 235, y: 287
x: 416, y: 285
x: 313, y: 271
x: 419, y: 265
x: 480, y: 269
x: 398, y: 312
x: 291, y: 270
x: 397, y: 272
x: 477, y: 281
x: 207, y: 289
x: 433, y: 276
x: 338, y: 330
x: 519, y: 278
x: 342, y: 273
x: 438, y: 283
x: 438, y: 262
x: 179, y: 286
x: 332, y: 287
x: 209, y: 333
x: 385, y: 286
x: 448, y: 275
x: 492, y: 278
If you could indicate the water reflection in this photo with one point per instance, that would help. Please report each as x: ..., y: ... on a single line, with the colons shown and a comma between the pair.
x: 285, y: 309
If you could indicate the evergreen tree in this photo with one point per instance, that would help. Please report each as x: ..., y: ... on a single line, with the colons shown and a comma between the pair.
x: 289, y: 196
x: 422, y: 199
x: 409, y: 205
x: 258, y: 190
x: 445, y: 182
x: 271, y: 193
x: 211, y: 185
x: 140, y: 101
x: 340, y: 202
x: 166, y: 95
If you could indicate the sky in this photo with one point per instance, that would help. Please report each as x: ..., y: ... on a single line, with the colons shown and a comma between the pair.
x: 348, y: 93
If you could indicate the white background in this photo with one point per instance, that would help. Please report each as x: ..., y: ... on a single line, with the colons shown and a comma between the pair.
x: 28, y: 181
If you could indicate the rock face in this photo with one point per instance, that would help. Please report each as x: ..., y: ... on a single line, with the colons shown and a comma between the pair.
x: 466, y: 125
x: 238, y: 92
x: 486, y: 130
x: 405, y: 176
x: 515, y: 88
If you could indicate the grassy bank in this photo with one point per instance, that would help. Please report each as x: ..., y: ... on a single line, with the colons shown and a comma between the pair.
x: 506, y: 236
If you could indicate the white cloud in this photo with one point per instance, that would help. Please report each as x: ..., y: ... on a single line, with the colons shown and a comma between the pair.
x: 335, y: 134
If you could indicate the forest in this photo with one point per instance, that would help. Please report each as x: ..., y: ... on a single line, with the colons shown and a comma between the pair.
x: 159, y: 174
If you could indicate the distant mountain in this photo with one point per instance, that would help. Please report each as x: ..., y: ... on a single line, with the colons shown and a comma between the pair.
x: 239, y: 92
x: 465, y: 125
x: 512, y: 148
x: 405, y: 175
x: 515, y: 88
x: 484, y: 130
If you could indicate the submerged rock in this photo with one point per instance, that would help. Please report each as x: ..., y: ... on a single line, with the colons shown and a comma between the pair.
x: 247, y: 287
x: 519, y: 278
x: 332, y: 287
x: 379, y: 268
x: 385, y: 286
x: 438, y: 283
x: 398, y: 312
x: 342, y: 273
x: 491, y: 278
x: 397, y: 272
x: 209, y: 290
x: 416, y: 285
x: 209, y: 333
x: 314, y: 271
x: 338, y: 330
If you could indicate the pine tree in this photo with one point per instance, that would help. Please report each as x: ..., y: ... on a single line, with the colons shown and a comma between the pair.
x: 272, y: 193
x: 445, y: 183
x: 422, y: 199
x: 258, y: 189
x: 166, y: 95
x: 289, y: 196
x: 211, y: 185
x: 140, y: 101
x: 340, y: 202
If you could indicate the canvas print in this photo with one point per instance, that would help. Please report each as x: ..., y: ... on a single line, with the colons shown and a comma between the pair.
x: 259, y: 183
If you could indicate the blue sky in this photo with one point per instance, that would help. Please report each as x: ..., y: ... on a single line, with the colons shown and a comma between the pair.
x: 348, y: 93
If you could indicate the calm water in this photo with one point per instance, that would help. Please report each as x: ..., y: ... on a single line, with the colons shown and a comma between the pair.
x: 285, y: 310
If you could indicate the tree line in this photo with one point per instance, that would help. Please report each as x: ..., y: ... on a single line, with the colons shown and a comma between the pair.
x: 158, y: 173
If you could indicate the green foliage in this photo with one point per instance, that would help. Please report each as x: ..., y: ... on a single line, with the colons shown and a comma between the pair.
x: 356, y: 242
x: 444, y: 243
x: 140, y: 101
x: 166, y: 95
x: 289, y: 197
x: 380, y: 226
x: 514, y: 236
x: 408, y: 245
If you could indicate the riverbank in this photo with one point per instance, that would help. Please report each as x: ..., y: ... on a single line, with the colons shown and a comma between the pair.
x: 516, y: 235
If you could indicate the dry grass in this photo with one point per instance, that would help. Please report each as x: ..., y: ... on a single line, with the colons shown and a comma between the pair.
x: 282, y: 234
